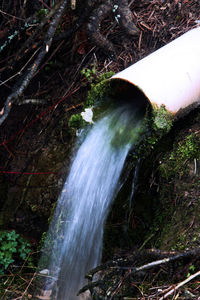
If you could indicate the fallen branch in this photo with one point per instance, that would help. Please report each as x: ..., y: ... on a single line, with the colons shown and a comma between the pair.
x: 105, y: 282
x: 162, y: 261
x: 180, y: 285
x: 44, y: 49
x: 33, y: 101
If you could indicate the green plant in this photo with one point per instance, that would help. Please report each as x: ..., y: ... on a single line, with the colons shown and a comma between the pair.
x: 89, y: 73
x: 49, y: 65
x: 162, y: 119
x: 98, y: 84
x: 99, y: 88
x: 76, y: 121
x: 157, y: 123
x: 191, y: 270
x: 43, y: 12
x: 187, y: 149
x: 184, y: 152
x: 13, y: 248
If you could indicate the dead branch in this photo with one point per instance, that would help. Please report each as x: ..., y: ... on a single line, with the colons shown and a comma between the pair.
x: 31, y: 71
x: 162, y: 261
x: 180, y: 285
x: 31, y: 39
x: 20, y: 71
x: 115, y: 269
x: 33, y: 101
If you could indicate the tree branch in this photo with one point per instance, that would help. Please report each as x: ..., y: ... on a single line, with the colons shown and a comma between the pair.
x: 180, y: 285
x: 121, y: 264
x: 31, y: 71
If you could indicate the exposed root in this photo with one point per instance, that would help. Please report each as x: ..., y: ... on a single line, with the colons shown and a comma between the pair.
x: 93, y: 27
x: 122, y: 15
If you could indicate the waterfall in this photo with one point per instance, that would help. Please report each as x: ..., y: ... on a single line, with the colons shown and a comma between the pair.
x: 77, y: 226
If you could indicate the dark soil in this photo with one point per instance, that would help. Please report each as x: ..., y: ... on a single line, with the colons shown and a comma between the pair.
x: 35, y: 139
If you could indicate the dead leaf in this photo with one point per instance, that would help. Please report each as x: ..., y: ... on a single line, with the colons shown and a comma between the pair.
x: 81, y: 49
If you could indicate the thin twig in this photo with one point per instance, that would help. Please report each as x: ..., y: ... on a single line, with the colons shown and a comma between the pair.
x: 180, y: 285
x: 24, y: 293
x: 117, y: 264
x: 33, y: 101
x: 43, y: 3
x: 4, y: 13
x: 19, y: 72
x: 46, y: 45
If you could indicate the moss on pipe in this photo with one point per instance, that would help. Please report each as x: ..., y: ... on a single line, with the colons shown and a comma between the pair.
x: 98, y: 91
x: 162, y: 119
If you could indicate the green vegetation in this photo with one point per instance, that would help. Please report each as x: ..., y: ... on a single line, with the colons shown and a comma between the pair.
x: 99, y: 88
x: 43, y: 12
x: 169, y: 180
x: 76, y: 121
x: 162, y: 119
x: 188, y: 148
x: 178, y: 184
x: 156, y: 124
x: 13, y: 248
x: 89, y: 73
x: 191, y: 270
x: 184, y: 151
x: 160, y: 123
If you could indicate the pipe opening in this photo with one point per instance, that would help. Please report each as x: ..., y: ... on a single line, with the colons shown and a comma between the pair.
x: 118, y: 93
x: 122, y: 90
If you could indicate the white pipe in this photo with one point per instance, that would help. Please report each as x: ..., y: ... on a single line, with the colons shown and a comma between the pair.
x: 169, y: 76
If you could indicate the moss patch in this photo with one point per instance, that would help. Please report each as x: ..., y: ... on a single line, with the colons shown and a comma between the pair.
x: 76, y: 121
x: 99, y: 90
x: 166, y: 207
x: 177, y: 179
x: 162, y: 119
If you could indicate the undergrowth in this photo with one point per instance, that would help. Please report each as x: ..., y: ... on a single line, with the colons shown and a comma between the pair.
x: 16, y: 266
x: 13, y: 248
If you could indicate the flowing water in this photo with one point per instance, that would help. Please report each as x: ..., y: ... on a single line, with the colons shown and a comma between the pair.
x: 84, y: 202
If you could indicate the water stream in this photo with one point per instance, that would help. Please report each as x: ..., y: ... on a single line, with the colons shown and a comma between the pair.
x: 83, y: 205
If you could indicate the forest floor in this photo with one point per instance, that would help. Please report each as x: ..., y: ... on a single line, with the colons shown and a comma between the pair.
x: 36, y: 130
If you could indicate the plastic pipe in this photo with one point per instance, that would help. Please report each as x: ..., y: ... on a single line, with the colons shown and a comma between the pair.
x: 169, y: 76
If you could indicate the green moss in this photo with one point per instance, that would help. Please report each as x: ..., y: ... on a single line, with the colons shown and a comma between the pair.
x: 175, y: 183
x: 89, y: 73
x: 99, y: 89
x: 99, y: 85
x: 188, y: 148
x: 76, y: 121
x: 162, y: 119
x: 157, y: 123
x: 177, y: 163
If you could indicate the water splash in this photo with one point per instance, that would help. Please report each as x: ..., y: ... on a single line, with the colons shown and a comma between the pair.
x: 77, y: 227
